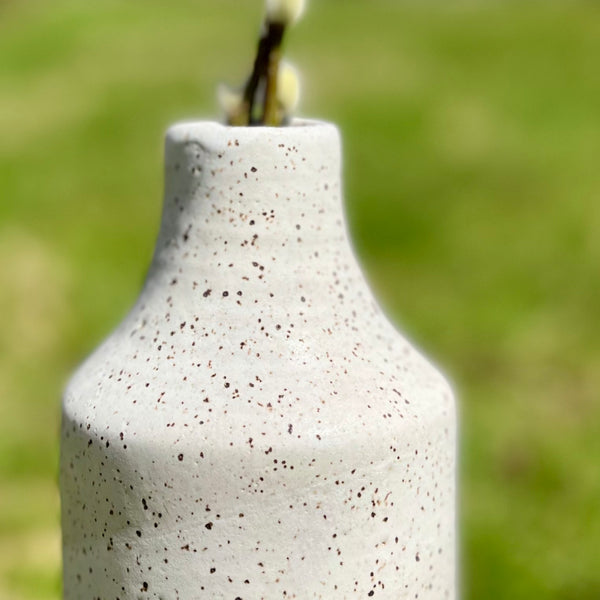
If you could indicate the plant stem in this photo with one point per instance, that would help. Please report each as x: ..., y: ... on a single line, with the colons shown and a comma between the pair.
x: 269, y: 44
x: 270, y: 104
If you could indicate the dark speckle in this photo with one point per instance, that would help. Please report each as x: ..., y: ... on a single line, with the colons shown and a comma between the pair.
x: 180, y: 457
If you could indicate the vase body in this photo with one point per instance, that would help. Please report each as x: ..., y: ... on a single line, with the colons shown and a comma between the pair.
x: 255, y: 428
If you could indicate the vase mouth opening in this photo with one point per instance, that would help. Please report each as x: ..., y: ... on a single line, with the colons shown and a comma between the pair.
x: 213, y: 131
x: 295, y: 123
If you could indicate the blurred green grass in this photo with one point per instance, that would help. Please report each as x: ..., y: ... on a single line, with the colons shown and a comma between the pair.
x: 472, y: 137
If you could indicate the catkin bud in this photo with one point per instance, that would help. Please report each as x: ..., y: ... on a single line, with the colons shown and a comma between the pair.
x: 285, y: 12
x: 230, y: 101
x: 288, y: 88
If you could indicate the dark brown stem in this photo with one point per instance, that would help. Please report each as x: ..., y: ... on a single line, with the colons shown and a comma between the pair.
x: 269, y: 43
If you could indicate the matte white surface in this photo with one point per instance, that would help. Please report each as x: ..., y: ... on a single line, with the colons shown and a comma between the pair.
x: 256, y: 428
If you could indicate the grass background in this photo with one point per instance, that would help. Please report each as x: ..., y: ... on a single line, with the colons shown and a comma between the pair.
x: 472, y: 145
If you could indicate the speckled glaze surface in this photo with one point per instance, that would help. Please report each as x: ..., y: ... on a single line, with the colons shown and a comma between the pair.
x: 256, y: 428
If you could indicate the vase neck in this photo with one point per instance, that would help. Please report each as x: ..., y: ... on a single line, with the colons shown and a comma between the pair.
x: 247, y: 206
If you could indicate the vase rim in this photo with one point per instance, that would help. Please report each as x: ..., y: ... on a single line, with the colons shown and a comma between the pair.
x: 192, y: 129
x: 296, y: 122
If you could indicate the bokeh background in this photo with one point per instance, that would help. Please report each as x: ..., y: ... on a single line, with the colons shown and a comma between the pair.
x: 472, y: 152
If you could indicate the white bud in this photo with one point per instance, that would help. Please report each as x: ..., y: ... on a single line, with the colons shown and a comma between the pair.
x: 229, y: 100
x: 288, y: 88
x: 285, y: 12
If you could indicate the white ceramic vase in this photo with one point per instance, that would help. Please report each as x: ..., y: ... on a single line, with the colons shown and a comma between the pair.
x: 256, y: 428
